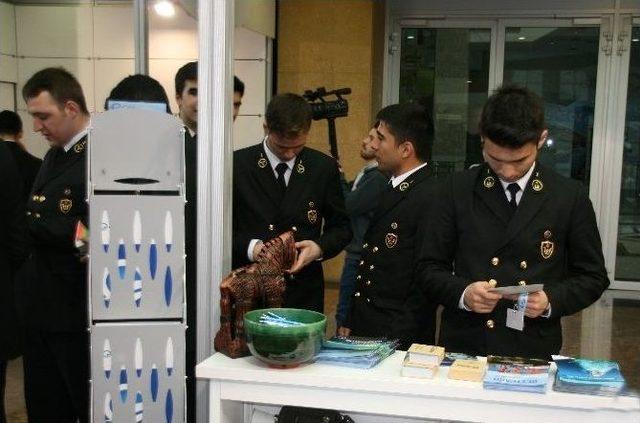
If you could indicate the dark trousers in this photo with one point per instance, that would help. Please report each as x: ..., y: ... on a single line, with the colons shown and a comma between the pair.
x: 56, y: 376
x: 347, y: 286
x: 3, y: 381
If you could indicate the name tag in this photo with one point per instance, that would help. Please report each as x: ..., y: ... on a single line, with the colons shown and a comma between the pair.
x: 515, y: 316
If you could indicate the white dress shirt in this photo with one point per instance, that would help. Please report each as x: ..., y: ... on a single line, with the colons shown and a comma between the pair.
x: 397, y: 180
x: 77, y: 137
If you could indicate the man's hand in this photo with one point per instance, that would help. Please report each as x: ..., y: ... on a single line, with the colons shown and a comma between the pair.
x: 256, y: 250
x: 308, y: 251
x: 478, y: 298
x: 342, y: 331
x: 537, y: 304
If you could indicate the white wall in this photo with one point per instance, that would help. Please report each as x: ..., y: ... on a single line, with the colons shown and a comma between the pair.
x: 257, y: 15
x: 73, y: 37
x: 96, y: 44
x: 251, y: 61
x: 8, y: 67
x: 172, y: 43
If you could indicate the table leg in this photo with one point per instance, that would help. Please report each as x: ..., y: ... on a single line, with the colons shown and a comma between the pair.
x: 223, y: 411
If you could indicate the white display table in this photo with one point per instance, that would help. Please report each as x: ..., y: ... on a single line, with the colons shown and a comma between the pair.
x: 236, y: 385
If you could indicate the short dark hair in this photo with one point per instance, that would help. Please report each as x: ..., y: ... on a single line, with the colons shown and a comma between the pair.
x: 288, y: 115
x: 238, y: 86
x: 512, y: 117
x: 410, y: 122
x: 10, y: 123
x: 188, y: 72
x: 139, y: 88
x: 58, y: 82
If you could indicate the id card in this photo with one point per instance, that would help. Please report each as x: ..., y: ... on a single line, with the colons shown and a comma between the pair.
x: 515, y: 319
x: 515, y: 316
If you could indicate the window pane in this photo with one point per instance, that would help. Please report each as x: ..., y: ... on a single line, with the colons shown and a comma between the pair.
x: 628, y: 251
x: 560, y: 64
x: 447, y: 70
x: 625, y: 335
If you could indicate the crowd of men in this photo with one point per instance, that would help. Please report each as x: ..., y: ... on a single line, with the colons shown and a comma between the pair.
x: 414, y: 242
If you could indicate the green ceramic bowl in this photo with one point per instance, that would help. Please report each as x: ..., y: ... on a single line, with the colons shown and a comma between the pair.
x: 285, y: 346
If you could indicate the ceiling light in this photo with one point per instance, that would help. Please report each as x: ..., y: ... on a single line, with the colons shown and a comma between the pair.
x: 410, y: 37
x: 635, y: 40
x: 164, y: 8
x: 522, y: 38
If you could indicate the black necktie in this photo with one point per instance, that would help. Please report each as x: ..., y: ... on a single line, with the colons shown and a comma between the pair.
x: 513, y: 190
x: 281, y: 168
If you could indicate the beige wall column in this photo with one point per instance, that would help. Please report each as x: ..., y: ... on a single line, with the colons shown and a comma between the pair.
x: 331, y: 44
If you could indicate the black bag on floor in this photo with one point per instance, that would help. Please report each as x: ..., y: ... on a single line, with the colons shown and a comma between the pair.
x: 290, y: 414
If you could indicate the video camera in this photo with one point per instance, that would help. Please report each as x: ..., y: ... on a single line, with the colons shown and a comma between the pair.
x: 330, y: 110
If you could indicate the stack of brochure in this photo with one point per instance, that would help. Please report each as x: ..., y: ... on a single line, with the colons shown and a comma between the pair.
x: 358, y: 352
x: 422, y: 361
x: 594, y: 377
x: 516, y: 374
x: 469, y: 370
x: 450, y: 357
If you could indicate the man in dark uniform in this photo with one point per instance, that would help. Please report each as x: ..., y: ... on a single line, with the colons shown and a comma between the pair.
x: 52, y: 284
x: 138, y: 88
x: 11, y: 134
x: 511, y: 221
x: 280, y: 185
x: 186, y: 85
x: 361, y: 198
x: 387, y: 300
x: 12, y: 253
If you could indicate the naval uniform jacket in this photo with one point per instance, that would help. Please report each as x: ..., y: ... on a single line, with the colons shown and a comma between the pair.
x: 313, y: 206
x: 12, y: 249
x: 552, y: 238
x: 387, y: 300
x: 28, y: 166
x: 52, y: 284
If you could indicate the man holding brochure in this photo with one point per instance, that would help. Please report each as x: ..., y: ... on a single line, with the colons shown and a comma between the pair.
x: 504, y: 226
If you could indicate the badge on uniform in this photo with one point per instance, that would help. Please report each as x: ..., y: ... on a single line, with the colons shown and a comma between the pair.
x: 262, y: 163
x: 537, y: 185
x: 546, y: 249
x: 65, y: 205
x: 404, y: 186
x: 489, y: 182
x: 547, y: 246
x: 312, y: 215
x: 391, y: 240
x: 300, y: 167
x: 79, y: 147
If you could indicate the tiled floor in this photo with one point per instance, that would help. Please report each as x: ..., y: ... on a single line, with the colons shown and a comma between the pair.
x: 625, y: 341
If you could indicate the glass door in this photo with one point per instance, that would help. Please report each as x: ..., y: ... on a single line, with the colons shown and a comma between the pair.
x: 447, y: 68
x: 558, y: 60
x: 628, y: 246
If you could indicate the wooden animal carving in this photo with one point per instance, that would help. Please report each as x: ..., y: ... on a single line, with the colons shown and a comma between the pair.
x: 259, y: 285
